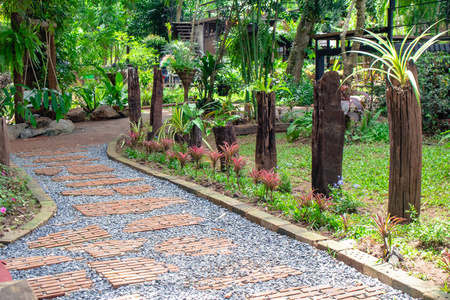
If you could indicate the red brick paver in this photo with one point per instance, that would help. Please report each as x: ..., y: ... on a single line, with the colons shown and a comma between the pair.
x: 52, y: 286
x: 25, y: 263
x: 82, y: 177
x: 321, y: 292
x: 133, y: 189
x: 89, y: 169
x: 251, y: 276
x: 48, y: 171
x: 89, y: 192
x: 161, y: 222
x: 109, y: 248
x: 49, y: 153
x: 126, y: 206
x: 73, y: 163
x: 191, y: 245
x: 131, y: 270
x: 102, y: 182
x: 69, y: 237
x: 58, y: 158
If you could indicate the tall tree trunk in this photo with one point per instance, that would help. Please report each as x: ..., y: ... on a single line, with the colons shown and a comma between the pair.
x: 405, y: 135
x: 349, y: 61
x: 4, y: 143
x: 17, y: 76
x: 51, y: 61
x: 179, y: 10
x: 266, y: 145
x: 302, y: 37
x: 157, y: 101
x: 134, y: 96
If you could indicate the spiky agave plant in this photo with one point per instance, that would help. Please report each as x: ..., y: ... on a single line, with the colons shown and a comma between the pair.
x: 396, y: 63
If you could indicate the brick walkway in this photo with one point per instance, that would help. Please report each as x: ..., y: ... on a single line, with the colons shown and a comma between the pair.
x: 107, y: 256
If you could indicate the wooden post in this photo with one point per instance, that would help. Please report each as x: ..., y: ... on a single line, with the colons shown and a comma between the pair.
x: 327, y: 133
x: 222, y: 135
x: 186, y: 77
x: 157, y: 101
x: 134, y: 96
x: 195, y: 137
x: 266, y: 144
x: 405, y: 136
x: 4, y: 143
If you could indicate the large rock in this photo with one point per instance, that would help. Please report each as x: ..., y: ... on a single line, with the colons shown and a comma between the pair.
x: 17, y: 290
x: 125, y: 112
x: 62, y: 125
x: 104, y: 112
x: 42, y: 122
x: 15, y: 130
x: 29, y: 133
x: 76, y: 115
x: 52, y: 132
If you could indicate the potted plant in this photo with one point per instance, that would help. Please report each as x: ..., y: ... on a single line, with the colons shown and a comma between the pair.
x: 183, y: 61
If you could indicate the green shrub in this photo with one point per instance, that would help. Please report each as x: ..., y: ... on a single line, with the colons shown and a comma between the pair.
x: 301, y: 127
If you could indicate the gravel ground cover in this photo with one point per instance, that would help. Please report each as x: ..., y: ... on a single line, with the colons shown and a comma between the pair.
x: 256, y: 247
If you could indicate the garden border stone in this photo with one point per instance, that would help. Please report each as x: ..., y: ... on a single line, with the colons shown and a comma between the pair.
x: 47, y: 211
x: 361, y: 261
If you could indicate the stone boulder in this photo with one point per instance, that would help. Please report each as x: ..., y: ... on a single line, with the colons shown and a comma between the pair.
x: 104, y: 112
x: 29, y: 133
x: 17, y: 290
x: 42, y: 122
x: 62, y: 125
x: 125, y: 112
x: 52, y: 132
x: 15, y: 130
x: 76, y: 115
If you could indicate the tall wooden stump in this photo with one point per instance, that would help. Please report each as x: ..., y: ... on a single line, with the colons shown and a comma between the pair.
x: 134, y: 96
x: 4, y: 143
x: 186, y: 77
x: 157, y: 101
x: 266, y: 145
x: 222, y: 135
x: 327, y: 133
x: 405, y: 135
x: 195, y: 137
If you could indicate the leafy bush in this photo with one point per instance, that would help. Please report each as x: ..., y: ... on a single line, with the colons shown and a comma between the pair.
x: 369, y: 129
x: 434, y: 82
x: 301, y: 127
x: 297, y: 94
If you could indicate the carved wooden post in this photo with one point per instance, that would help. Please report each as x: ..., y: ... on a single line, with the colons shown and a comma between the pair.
x: 405, y: 136
x: 4, y: 143
x: 222, y: 135
x: 327, y: 133
x: 266, y: 144
x: 134, y: 96
x: 157, y: 101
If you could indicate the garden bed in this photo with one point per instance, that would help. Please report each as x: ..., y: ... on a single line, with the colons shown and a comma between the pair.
x: 365, y: 174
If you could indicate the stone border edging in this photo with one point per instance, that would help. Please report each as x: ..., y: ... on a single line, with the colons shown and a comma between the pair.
x: 47, y: 211
x: 363, y: 262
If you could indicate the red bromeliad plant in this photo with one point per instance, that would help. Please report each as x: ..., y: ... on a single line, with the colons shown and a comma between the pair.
x: 197, y: 154
x: 255, y: 176
x: 323, y: 202
x: 305, y: 200
x: 182, y: 158
x: 214, y: 157
x: 445, y: 258
x: 166, y: 144
x: 238, y: 164
x: 151, y: 146
x: 386, y: 226
x: 228, y: 152
x: 133, y: 139
x: 271, y: 181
